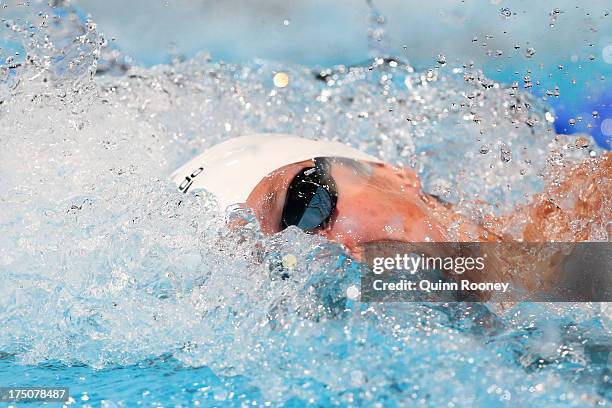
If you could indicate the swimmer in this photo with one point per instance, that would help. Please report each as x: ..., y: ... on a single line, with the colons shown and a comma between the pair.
x: 349, y: 197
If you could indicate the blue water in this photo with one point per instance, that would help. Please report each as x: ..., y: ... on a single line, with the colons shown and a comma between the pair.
x: 130, y: 293
x: 495, y: 368
x: 162, y: 381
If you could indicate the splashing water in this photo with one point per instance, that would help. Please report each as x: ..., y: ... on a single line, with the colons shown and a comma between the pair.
x: 106, y: 265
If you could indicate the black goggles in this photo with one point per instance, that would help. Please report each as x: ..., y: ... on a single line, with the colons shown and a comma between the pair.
x: 311, y: 197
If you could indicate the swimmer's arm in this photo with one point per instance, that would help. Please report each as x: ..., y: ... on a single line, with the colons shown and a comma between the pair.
x: 575, y: 204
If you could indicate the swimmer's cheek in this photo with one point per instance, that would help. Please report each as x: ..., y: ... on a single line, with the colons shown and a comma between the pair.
x: 347, y: 231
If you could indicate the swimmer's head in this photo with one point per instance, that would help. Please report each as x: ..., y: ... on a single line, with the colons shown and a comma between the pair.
x: 231, y: 170
x: 326, y: 188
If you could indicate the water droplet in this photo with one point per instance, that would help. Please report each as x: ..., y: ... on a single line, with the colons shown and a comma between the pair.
x: 531, y: 121
x: 352, y: 292
x: 582, y: 142
x: 530, y: 52
x: 441, y: 59
x: 595, y: 114
x: 572, y: 121
x: 289, y: 261
x: 552, y: 17
x: 281, y: 79
x: 505, y: 12
x: 505, y: 153
x: 485, y: 148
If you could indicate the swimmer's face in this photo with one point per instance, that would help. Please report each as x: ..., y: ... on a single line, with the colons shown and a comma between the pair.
x: 375, y: 202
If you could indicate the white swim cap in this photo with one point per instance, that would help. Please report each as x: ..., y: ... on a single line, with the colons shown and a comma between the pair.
x: 232, y: 169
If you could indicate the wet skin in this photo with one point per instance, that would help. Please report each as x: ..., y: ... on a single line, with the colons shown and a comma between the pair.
x: 376, y: 202
x: 379, y: 203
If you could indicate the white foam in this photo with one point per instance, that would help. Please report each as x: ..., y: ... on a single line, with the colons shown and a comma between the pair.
x: 105, y: 263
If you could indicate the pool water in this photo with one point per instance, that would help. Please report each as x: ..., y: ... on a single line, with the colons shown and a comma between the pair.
x: 128, y: 292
